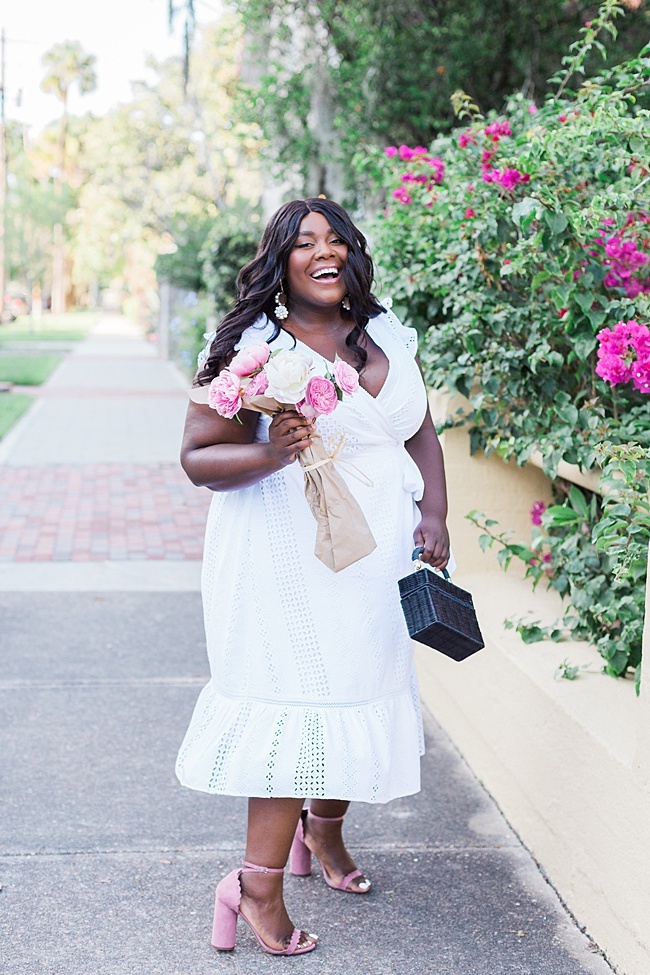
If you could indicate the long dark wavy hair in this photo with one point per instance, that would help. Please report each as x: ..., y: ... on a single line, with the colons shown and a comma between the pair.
x: 259, y: 282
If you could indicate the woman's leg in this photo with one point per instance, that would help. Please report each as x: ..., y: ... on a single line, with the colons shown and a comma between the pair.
x: 271, y: 826
x: 325, y: 840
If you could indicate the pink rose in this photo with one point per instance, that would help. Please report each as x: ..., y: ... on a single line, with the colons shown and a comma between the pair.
x: 250, y: 359
x: 346, y: 377
x: 306, y: 410
x: 320, y: 395
x: 257, y: 384
x: 225, y: 394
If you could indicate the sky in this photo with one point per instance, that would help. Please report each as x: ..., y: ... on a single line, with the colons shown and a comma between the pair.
x: 120, y: 33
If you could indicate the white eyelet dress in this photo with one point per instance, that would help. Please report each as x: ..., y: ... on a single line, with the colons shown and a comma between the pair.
x: 313, y: 690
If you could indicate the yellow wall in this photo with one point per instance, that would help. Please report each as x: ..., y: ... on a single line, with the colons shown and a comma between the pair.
x: 568, y: 762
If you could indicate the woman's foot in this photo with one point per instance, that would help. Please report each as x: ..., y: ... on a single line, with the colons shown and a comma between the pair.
x: 324, y: 838
x: 263, y: 905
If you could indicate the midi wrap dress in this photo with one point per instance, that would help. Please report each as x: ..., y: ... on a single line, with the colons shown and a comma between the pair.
x: 313, y: 690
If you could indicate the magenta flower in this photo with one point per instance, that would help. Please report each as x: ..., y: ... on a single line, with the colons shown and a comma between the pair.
x: 507, y: 178
x: 391, y: 151
x: 466, y: 138
x: 469, y: 213
x: 536, y: 512
x: 439, y: 167
x: 498, y: 129
x: 624, y: 355
x: 532, y: 109
x: 403, y: 195
x: 563, y: 118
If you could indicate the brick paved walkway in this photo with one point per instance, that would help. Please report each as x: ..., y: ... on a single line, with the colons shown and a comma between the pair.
x: 92, y: 512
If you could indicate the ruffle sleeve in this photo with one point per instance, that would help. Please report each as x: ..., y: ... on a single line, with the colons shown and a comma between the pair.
x: 406, y: 335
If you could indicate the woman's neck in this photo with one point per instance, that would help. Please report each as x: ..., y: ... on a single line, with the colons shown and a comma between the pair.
x: 316, y: 321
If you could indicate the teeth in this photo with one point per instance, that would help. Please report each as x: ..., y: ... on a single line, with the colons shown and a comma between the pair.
x: 330, y: 271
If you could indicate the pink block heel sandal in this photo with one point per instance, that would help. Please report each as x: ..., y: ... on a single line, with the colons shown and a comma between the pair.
x: 300, y: 857
x: 226, y: 912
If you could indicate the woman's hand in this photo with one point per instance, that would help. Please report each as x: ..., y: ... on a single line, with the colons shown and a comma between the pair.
x: 289, y: 433
x: 432, y: 534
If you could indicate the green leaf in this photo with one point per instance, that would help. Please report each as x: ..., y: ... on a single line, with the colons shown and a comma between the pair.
x: 579, y: 501
x: 526, y: 210
x: 556, y: 220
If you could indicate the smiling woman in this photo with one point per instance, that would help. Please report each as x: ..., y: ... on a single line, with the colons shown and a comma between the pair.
x: 313, y: 690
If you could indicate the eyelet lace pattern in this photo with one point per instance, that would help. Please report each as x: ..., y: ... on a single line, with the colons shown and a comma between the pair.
x: 313, y: 690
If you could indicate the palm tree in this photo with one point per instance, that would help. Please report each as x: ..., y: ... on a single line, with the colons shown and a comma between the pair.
x: 187, y: 8
x: 67, y: 64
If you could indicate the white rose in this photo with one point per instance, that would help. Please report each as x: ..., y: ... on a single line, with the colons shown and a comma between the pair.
x: 288, y: 373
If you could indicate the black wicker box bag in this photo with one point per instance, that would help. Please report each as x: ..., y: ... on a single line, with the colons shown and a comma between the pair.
x: 438, y: 613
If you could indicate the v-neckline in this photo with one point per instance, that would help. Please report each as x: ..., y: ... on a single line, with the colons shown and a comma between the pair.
x: 330, y: 363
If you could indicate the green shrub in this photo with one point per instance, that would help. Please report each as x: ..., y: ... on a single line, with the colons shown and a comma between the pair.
x: 511, y: 245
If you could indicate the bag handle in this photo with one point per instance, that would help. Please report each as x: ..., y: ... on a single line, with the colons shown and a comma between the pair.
x: 415, y: 558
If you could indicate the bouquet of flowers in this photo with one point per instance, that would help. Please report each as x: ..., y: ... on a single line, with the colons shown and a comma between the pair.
x: 271, y: 382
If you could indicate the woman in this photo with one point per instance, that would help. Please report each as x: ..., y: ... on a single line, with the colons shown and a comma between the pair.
x: 313, y: 690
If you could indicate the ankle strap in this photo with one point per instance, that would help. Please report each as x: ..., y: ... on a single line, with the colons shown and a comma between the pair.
x: 255, y: 868
x: 326, y: 819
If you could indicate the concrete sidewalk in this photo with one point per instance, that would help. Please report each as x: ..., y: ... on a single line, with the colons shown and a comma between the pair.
x: 107, y: 865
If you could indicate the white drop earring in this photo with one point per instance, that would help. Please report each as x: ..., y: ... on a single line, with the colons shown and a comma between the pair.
x: 346, y: 303
x: 281, y: 310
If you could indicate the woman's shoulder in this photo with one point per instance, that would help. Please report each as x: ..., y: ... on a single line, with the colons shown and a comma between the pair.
x: 388, y: 323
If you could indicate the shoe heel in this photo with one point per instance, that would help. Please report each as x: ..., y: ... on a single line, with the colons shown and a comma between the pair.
x: 300, y: 856
x: 224, y: 928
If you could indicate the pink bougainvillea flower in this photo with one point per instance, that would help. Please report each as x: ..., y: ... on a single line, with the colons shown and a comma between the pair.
x: 641, y: 376
x: 507, y: 178
x: 498, y: 129
x: 469, y: 213
x: 532, y: 109
x: 466, y: 138
x: 391, y: 151
x: 346, y: 377
x: 486, y: 158
x: 563, y: 118
x: 624, y: 355
x: 402, y: 195
x: 536, y: 512
x: 248, y: 360
x: 225, y: 394
x: 439, y: 167
x: 321, y: 395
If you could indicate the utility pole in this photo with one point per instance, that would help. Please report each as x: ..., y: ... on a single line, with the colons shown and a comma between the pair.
x: 3, y: 177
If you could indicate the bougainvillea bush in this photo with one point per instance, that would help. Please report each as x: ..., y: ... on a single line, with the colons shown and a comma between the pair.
x: 520, y: 248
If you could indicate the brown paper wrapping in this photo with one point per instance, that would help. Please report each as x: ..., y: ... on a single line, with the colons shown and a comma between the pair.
x: 342, y: 533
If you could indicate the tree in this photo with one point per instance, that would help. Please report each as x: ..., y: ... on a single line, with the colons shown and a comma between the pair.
x: 67, y: 64
x: 390, y: 68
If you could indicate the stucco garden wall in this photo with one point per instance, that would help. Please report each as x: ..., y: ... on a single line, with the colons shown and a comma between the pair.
x: 568, y: 762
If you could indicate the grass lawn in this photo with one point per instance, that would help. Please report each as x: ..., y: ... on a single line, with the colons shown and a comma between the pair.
x: 26, y: 370
x: 12, y: 407
x: 71, y: 327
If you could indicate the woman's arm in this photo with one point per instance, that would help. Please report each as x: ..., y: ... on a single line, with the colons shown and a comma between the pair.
x: 432, y: 532
x: 220, y: 454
